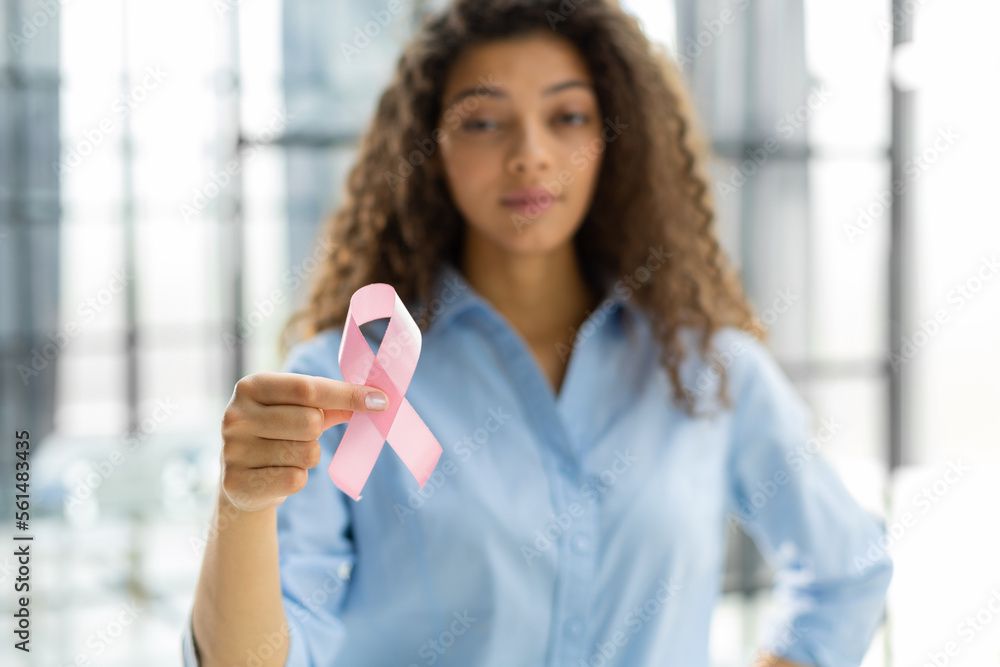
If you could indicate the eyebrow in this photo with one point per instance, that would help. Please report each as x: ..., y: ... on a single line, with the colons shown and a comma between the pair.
x: 488, y: 91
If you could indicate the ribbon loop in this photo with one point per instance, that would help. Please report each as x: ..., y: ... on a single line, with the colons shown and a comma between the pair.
x: 390, y: 370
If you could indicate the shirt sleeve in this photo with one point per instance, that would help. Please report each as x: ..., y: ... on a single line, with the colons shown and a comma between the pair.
x: 315, y: 551
x: 831, y: 578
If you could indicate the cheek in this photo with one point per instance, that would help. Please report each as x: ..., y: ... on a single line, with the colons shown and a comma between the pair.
x: 584, y: 166
x: 469, y: 171
x: 588, y: 156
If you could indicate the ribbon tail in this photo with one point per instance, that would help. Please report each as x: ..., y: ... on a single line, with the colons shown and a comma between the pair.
x: 416, y: 446
x: 355, y: 457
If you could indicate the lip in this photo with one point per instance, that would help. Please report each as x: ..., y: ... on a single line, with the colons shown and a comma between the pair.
x: 533, y: 199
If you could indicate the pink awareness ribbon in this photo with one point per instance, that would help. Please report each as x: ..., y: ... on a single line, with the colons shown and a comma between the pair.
x: 391, y: 371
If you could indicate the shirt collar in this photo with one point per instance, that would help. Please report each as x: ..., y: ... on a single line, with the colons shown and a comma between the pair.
x: 452, y: 295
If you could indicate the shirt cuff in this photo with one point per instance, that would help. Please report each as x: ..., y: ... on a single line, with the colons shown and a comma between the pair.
x: 834, y: 624
x: 298, y: 654
x: 187, y: 644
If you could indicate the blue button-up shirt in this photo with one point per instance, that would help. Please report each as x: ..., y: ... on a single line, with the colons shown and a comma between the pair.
x: 577, y: 529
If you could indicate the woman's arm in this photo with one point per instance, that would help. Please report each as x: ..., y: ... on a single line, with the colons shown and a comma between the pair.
x: 270, y: 431
x: 830, y: 590
x: 238, y: 599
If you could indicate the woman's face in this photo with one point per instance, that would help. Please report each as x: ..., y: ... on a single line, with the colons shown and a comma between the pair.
x: 521, y: 115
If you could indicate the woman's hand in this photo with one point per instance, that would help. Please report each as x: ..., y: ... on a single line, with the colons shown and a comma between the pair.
x: 271, y: 430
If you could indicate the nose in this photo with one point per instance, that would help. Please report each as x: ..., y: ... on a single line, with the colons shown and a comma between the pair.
x: 530, y: 151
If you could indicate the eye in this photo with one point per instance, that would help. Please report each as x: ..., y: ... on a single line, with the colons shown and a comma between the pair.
x: 581, y: 118
x: 478, y: 125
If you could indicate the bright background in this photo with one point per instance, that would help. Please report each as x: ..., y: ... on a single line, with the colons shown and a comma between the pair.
x: 146, y: 288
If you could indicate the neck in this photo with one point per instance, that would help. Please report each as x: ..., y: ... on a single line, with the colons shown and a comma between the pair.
x: 543, y: 295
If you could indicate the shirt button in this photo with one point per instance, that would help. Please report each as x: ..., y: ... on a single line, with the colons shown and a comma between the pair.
x: 574, y: 627
x: 567, y: 470
x: 580, y: 543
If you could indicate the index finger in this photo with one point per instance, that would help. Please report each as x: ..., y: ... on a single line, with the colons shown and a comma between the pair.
x: 315, y: 391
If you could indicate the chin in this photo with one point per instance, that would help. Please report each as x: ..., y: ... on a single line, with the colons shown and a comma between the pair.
x: 540, y: 235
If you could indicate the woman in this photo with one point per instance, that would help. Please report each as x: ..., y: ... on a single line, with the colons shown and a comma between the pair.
x: 530, y: 188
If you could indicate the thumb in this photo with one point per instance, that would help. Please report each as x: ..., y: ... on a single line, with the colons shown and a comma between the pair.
x: 331, y: 417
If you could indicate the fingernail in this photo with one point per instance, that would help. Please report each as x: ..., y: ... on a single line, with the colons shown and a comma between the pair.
x: 375, y: 401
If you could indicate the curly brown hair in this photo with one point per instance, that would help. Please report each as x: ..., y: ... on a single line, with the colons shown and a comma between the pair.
x: 396, y: 224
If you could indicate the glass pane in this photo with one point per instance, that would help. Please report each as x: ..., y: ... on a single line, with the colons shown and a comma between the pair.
x: 776, y: 254
x: 91, y: 43
x: 945, y: 549
x: 956, y: 310
x: 35, y: 36
x: 264, y: 186
x: 190, y: 382
x: 728, y: 208
x: 153, y: 30
x: 178, y: 274
x: 93, y: 278
x: 174, y: 153
x: 849, y: 428
x: 261, y: 67
x: 849, y: 207
x: 8, y: 276
x: 91, y: 393
x: 270, y: 286
x: 856, y: 116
